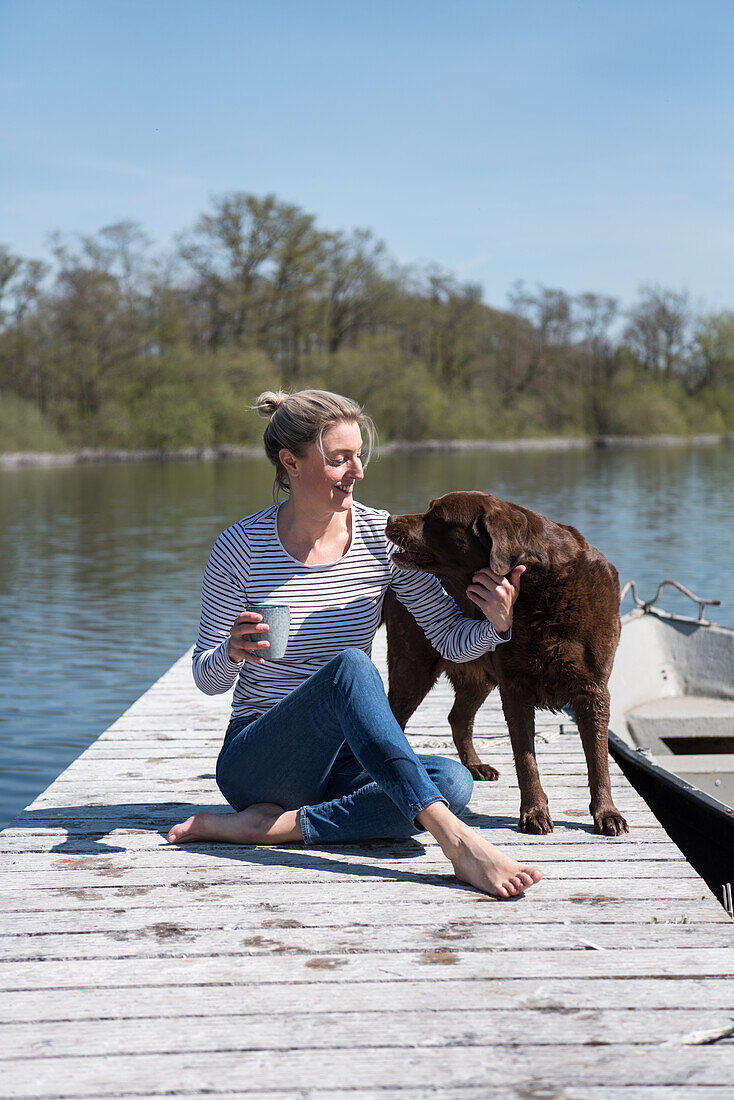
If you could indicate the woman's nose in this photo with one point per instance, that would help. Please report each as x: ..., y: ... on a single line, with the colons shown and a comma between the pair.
x: 357, y: 469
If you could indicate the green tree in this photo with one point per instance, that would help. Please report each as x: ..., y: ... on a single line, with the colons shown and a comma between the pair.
x: 659, y: 330
x: 99, y: 314
x: 711, y: 362
x: 358, y: 289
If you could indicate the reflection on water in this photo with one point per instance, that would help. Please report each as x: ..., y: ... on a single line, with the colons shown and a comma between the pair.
x: 101, y: 566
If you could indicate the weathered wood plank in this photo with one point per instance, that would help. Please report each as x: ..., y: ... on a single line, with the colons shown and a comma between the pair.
x: 553, y: 999
x: 332, y: 1028
x: 693, y: 962
x: 410, y: 889
x: 507, y: 1091
x: 675, y: 1066
x: 163, y: 938
x: 459, y: 911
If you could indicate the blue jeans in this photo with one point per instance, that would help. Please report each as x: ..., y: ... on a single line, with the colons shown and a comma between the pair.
x: 333, y: 749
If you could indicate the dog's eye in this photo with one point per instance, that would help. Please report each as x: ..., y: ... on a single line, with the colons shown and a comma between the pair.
x: 441, y: 525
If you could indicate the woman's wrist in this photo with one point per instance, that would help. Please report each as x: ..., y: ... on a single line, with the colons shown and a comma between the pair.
x: 501, y: 623
x: 228, y: 651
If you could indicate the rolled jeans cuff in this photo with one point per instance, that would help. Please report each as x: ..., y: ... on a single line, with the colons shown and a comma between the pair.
x: 426, y: 802
x: 304, y: 826
x: 313, y: 835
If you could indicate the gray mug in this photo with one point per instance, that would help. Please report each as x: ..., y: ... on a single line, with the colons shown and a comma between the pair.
x: 278, y: 618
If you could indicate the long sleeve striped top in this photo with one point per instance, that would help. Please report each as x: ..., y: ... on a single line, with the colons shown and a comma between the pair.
x: 333, y: 606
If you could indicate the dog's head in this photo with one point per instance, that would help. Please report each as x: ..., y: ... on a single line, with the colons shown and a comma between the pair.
x: 461, y: 533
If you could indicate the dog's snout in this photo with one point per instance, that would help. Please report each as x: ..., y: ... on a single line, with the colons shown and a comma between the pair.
x: 396, y: 523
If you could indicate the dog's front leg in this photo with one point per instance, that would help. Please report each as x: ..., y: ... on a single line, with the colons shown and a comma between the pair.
x: 592, y: 718
x: 471, y: 687
x: 413, y: 665
x: 520, y: 716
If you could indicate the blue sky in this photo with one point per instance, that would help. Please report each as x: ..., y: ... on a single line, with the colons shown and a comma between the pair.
x: 583, y: 145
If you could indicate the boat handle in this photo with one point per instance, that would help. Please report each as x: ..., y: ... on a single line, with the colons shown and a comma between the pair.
x: 631, y: 587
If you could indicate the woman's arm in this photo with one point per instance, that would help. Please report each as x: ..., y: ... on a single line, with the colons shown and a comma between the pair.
x: 455, y: 637
x: 223, y: 600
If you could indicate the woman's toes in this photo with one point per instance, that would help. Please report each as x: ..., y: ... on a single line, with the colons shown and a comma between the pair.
x: 182, y: 831
x: 176, y: 830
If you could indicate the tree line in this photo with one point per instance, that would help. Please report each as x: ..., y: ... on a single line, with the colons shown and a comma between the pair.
x: 112, y: 344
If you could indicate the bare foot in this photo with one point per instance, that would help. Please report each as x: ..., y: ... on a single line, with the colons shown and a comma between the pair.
x: 479, y: 863
x: 262, y: 823
x: 475, y: 860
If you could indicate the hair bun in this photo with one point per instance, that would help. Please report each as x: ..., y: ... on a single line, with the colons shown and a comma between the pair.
x: 268, y: 403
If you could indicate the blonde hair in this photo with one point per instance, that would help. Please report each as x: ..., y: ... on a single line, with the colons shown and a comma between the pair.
x: 300, y: 419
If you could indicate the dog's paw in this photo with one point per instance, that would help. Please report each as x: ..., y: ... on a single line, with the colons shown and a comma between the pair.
x: 483, y: 772
x: 536, y: 820
x: 610, y: 823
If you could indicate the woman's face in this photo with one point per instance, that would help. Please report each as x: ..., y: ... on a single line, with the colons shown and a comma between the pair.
x: 328, y: 484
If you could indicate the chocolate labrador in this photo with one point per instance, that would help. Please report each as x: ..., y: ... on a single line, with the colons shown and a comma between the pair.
x: 564, y: 634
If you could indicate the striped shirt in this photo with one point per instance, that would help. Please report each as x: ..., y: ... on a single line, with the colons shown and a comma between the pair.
x: 333, y: 606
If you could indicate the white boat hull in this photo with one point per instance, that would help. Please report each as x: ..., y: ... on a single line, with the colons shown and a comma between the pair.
x: 672, y: 696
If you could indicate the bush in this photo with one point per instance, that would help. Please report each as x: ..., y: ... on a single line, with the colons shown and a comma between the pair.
x: 184, y: 400
x: 636, y: 405
x: 23, y: 427
x: 237, y: 379
x: 719, y: 405
x: 401, y: 396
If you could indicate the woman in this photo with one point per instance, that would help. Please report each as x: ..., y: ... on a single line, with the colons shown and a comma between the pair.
x: 312, y: 752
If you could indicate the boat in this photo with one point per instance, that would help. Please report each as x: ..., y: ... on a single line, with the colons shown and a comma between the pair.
x: 671, y: 728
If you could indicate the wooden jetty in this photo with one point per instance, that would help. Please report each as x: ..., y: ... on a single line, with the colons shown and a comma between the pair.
x: 133, y: 968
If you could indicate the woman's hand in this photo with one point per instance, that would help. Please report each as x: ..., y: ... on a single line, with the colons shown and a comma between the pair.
x: 496, y: 595
x: 241, y: 646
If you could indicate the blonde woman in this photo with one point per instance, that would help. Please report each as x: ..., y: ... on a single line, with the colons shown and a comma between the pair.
x: 312, y: 752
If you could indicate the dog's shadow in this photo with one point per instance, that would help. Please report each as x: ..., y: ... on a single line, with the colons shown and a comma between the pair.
x: 498, y: 821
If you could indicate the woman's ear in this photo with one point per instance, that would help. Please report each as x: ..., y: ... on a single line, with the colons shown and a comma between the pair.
x: 289, y: 461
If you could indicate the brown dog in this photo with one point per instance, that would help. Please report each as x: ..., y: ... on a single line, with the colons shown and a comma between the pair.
x: 564, y: 634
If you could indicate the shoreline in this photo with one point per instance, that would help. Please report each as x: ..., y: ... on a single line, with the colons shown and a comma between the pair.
x: 226, y: 452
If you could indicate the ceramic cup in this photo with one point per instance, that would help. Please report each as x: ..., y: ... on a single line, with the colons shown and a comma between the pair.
x: 278, y: 618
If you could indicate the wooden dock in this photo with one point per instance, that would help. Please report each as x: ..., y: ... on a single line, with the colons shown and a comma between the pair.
x: 132, y: 968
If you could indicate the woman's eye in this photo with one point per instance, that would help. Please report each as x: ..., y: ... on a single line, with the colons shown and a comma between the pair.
x: 341, y: 461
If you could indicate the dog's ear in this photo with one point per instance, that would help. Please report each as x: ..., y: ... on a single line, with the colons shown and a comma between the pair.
x: 499, y: 534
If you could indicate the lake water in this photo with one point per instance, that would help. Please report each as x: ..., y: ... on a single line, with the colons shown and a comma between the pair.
x: 100, y: 566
